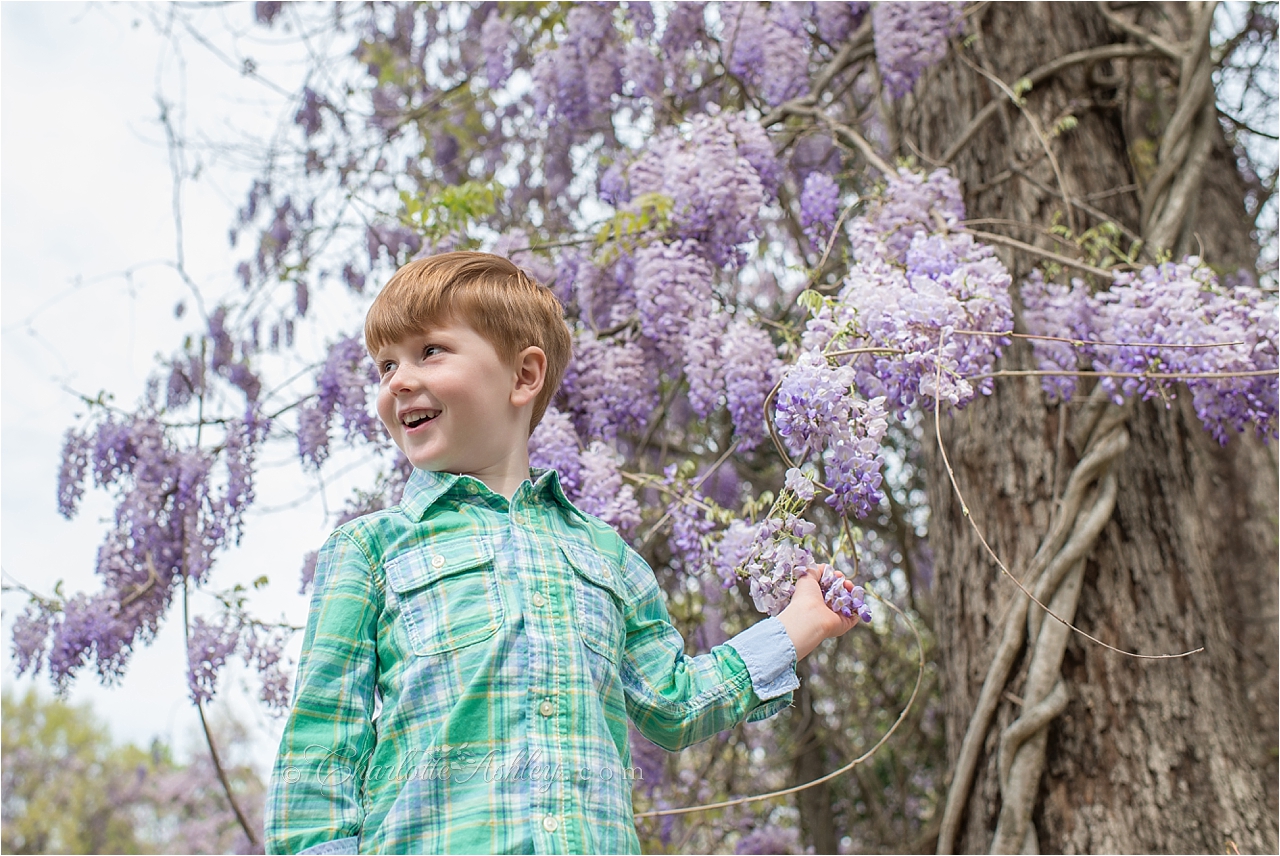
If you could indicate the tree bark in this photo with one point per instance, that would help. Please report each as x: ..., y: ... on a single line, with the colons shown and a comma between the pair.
x: 1148, y: 755
x: 817, y: 818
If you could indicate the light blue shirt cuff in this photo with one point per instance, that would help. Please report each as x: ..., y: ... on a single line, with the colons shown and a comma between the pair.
x: 333, y: 848
x: 770, y: 657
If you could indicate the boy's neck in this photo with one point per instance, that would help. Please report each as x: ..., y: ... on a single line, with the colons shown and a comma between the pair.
x: 505, y: 476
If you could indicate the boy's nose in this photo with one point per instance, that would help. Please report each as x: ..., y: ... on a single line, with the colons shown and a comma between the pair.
x: 403, y: 379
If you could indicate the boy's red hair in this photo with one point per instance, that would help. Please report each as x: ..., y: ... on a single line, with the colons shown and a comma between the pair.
x: 501, y: 302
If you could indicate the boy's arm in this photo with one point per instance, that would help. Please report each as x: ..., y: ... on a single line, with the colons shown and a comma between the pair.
x: 314, y: 799
x: 676, y: 700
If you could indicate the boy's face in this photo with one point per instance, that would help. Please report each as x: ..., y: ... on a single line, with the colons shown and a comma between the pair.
x: 445, y: 397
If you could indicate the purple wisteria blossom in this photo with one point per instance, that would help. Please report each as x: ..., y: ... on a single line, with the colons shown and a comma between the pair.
x: 1130, y: 326
x: 173, y: 512
x: 603, y: 493
x: 673, y: 286
x: 343, y: 388
x: 75, y: 463
x: 718, y: 192
x: 703, y: 344
x: 685, y: 27
x: 263, y: 649
x: 554, y: 445
x: 1053, y: 309
x: 209, y: 646
x: 818, y: 412
x: 772, y: 839
x: 496, y: 38
x: 578, y: 77
x: 836, y: 21
x: 610, y: 386
x: 910, y: 37
x: 819, y: 207
x: 751, y: 368
x: 689, y: 526
x: 910, y: 205
x: 769, y: 48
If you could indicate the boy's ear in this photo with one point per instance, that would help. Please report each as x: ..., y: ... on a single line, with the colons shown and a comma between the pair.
x: 531, y: 374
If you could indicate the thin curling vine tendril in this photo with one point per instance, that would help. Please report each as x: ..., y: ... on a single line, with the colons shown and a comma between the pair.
x: 835, y: 773
x: 964, y: 510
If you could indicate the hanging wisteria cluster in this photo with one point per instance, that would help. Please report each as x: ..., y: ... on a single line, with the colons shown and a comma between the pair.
x: 620, y: 156
x: 1170, y: 319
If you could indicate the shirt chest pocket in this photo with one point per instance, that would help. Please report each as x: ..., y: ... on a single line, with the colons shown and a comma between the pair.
x: 597, y: 604
x: 447, y: 592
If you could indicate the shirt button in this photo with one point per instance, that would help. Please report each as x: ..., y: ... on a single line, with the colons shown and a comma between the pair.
x: 538, y: 600
x: 547, y: 708
x: 550, y: 824
x: 472, y: 489
x: 437, y: 562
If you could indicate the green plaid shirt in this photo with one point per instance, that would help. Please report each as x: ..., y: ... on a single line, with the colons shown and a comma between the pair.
x: 467, y: 673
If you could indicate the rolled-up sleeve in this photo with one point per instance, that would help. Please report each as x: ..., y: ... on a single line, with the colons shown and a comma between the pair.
x: 676, y: 700
x: 315, y: 800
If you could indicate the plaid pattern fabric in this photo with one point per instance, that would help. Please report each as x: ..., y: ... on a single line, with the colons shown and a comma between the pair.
x: 467, y: 673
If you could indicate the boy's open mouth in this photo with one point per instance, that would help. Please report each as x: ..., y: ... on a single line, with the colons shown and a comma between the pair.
x: 418, y: 417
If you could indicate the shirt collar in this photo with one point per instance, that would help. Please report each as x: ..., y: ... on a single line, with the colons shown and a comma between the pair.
x: 425, y: 487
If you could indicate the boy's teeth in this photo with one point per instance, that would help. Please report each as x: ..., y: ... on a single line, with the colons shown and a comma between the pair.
x: 416, y: 419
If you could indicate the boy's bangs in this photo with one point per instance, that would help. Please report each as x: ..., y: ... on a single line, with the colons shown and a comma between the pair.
x: 403, y: 313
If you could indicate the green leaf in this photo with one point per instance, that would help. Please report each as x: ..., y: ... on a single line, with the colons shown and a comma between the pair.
x: 811, y: 300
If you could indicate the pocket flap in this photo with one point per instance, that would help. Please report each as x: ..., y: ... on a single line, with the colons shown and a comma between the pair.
x: 593, y: 567
x: 434, y: 560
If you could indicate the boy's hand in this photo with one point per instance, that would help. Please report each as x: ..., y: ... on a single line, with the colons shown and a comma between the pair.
x: 807, y: 619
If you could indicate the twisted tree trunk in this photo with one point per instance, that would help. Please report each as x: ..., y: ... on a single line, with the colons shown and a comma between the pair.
x: 1073, y: 747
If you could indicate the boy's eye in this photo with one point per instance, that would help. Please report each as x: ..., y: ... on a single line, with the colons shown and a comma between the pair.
x: 426, y: 352
x: 386, y: 367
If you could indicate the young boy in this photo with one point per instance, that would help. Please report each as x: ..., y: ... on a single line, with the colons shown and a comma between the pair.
x: 472, y: 655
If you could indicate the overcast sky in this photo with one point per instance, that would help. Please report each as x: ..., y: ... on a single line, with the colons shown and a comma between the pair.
x: 86, y: 232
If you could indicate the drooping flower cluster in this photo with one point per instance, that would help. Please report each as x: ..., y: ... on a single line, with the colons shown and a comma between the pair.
x: 173, y: 512
x: 602, y: 491
x: 716, y: 175
x: 1166, y: 319
x: 910, y: 37
x: 910, y: 204
x: 495, y: 41
x: 554, y: 445
x: 771, y: 555
x: 610, y: 386
x: 212, y: 642
x: 836, y: 21
x: 673, y: 286
x: 818, y: 411
x: 819, y: 206
x: 209, y: 646
x: 751, y: 368
x: 576, y: 79
x: 1053, y: 309
x: 769, y: 48
x: 342, y: 389
x: 930, y: 315
x: 919, y: 300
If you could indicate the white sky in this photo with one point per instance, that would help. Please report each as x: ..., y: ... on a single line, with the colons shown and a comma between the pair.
x: 86, y: 194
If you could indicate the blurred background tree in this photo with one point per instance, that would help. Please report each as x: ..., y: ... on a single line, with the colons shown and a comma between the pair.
x: 68, y: 788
